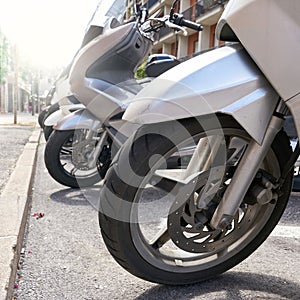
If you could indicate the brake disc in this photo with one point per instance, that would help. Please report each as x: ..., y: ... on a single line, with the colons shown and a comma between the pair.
x: 188, y: 225
x: 81, y: 152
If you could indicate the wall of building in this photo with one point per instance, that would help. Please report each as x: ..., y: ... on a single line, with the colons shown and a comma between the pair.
x: 7, y: 96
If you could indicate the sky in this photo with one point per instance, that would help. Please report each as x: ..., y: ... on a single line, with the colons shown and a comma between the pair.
x: 46, y: 32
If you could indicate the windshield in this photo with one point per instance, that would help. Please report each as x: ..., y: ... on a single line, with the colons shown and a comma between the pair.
x: 107, y: 9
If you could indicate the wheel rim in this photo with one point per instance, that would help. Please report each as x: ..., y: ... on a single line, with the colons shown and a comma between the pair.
x: 72, y: 164
x: 151, y: 219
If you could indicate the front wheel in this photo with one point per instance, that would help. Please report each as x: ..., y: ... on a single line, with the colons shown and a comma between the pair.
x: 42, y: 116
x: 66, y: 156
x: 47, y: 131
x: 157, y: 225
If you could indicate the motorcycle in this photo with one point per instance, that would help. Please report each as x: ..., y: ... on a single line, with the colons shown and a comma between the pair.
x: 44, y: 113
x: 62, y: 100
x: 65, y: 106
x: 78, y: 152
x: 59, y: 90
x: 221, y: 114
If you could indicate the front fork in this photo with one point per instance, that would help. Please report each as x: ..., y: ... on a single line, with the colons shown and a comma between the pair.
x: 243, y: 176
x: 92, y: 159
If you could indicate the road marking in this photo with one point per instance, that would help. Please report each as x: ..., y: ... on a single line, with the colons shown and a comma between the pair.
x: 286, y: 231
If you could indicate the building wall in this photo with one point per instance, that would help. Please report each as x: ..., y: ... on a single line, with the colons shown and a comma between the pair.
x: 7, y: 97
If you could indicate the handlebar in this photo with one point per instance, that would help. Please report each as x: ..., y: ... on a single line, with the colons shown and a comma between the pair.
x: 174, y: 21
x: 181, y: 21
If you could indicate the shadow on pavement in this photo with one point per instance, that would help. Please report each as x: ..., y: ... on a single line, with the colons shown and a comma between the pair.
x: 228, y: 286
x: 291, y: 215
x: 77, y: 197
x: 231, y: 286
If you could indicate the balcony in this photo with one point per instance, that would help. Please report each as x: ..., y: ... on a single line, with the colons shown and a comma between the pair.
x: 151, y: 3
x: 164, y: 32
x: 193, y: 13
x: 202, y: 7
x: 159, y: 3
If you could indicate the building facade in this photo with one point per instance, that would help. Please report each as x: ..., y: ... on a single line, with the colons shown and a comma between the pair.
x: 7, y: 95
x: 205, y: 12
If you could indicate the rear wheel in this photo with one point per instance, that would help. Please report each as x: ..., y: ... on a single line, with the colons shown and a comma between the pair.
x: 66, y: 159
x: 156, y: 227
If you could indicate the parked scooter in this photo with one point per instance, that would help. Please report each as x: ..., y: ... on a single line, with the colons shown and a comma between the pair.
x: 185, y: 225
x: 62, y: 100
x: 58, y: 111
x: 59, y: 90
x: 44, y: 113
x: 78, y: 152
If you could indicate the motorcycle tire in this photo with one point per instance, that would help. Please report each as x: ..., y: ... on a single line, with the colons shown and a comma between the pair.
x: 58, y: 160
x: 41, y: 117
x: 131, y: 238
x: 45, y: 113
x: 47, y: 132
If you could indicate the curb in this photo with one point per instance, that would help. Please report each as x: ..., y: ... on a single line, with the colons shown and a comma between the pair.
x: 14, y: 203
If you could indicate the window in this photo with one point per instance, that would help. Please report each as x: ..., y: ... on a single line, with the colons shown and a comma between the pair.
x: 193, y: 43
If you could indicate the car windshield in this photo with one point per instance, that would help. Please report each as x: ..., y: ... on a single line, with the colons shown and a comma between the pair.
x: 107, y: 9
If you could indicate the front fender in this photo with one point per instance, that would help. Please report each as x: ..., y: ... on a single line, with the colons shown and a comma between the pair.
x: 225, y: 81
x: 54, y: 118
x: 80, y: 119
x: 63, y: 111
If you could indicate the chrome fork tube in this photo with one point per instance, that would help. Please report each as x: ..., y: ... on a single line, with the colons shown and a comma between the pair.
x: 95, y: 154
x: 243, y: 177
x: 203, y: 155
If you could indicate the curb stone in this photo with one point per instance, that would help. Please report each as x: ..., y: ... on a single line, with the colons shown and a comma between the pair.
x: 14, y: 203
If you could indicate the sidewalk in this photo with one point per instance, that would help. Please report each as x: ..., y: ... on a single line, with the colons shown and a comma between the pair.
x: 17, y: 164
x: 22, y: 119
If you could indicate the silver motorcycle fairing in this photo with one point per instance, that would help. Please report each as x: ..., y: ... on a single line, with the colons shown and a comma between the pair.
x: 80, y: 119
x: 294, y: 107
x: 54, y: 118
x: 270, y: 31
x: 224, y: 80
x: 61, y: 113
x: 107, y: 65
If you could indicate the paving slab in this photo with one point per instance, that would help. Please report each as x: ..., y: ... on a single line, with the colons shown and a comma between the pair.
x: 14, y: 202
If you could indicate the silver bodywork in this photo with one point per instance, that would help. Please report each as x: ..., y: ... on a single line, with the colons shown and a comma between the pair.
x: 221, y: 81
x: 63, y: 111
x: 270, y: 31
x: 80, y: 119
x: 82, y: 86
x: 294, y: 106
x: 246, y: 84
x: 273, y: 42
x: 226, y: 80
x: 102, y: 75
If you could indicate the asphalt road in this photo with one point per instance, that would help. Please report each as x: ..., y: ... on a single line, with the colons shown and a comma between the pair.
x: 64, y: 256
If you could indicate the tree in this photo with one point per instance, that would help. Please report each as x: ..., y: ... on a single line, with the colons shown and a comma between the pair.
x: 141, y: 73
x: 4, y: 56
